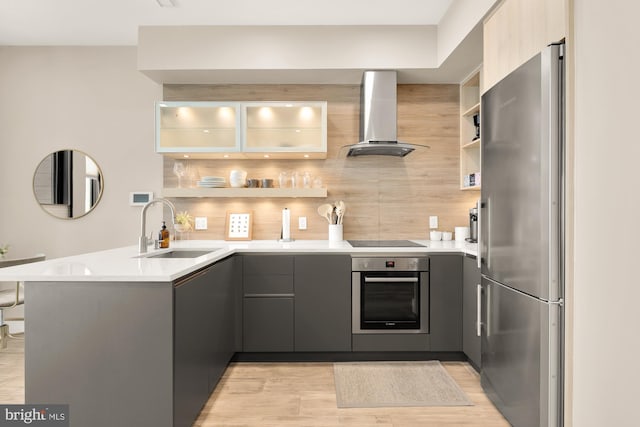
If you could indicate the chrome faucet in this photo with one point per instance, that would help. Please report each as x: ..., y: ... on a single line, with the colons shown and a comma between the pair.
x: 142, y: 241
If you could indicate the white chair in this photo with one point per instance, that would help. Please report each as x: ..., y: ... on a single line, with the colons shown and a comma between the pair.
x: 11, y: 298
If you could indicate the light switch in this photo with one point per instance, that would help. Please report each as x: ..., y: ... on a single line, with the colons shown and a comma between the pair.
x: 302, y: 223
x: 201, y: 223
x: 433, y: 221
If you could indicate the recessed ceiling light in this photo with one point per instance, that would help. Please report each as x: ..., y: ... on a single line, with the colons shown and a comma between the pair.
x: 266, y: 156
x: 186, y: 156
x: 306, y: 156
x: 226, y: 156
x: 166, y: 3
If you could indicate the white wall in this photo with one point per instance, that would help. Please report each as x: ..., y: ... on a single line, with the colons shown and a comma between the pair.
x: 607, y: 201
x: 88, y: 98
x: 460, y: 19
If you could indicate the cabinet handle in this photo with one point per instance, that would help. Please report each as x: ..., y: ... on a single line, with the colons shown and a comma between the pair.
x: 269, y: 295
x: 191, y: 276
x: 479, y: 240
x: 478, y: 310
x: 391, y: 279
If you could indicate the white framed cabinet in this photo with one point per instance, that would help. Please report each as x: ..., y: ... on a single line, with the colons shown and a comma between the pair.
x: 284, y: 129
x: 200, y: 129
x: 245, y: 130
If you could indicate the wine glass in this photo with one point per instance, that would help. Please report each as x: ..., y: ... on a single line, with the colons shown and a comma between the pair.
x: 180, y: 171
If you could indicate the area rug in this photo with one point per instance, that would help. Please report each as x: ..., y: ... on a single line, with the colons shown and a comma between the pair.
x: 386, y: 384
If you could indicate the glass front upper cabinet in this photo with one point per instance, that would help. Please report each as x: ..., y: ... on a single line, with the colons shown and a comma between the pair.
x: 198, y: 129
x: 285, y: 129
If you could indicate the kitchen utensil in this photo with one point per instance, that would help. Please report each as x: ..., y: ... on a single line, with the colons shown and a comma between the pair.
x: 461, y: 233
x: 306, y: 179
x: 267, y: 183
x: 435, y: 235
x: 180, y: 170
x: 237, y: 178
x: 325, y: 211
x: 283, y: 179
x: 447, y: 235
x: 335, y: 233
x: 340, y: 209
x: 253, y: 183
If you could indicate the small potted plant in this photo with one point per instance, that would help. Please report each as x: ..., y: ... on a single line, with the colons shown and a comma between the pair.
x: 184, y: 222
x: 3, y: 250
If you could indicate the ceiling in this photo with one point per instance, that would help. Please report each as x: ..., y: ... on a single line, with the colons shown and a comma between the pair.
x: 116, y: 22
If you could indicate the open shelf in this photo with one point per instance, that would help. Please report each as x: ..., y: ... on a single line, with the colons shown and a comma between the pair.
x: 472, y: 144
x: 470, y: 149
x: 244, y: 192
x: 471, y: 111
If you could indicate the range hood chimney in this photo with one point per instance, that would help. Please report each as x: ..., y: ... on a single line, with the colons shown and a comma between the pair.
x: 378, y: 117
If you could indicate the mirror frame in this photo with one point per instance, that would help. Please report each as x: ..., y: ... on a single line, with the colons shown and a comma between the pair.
x: 100, y: 183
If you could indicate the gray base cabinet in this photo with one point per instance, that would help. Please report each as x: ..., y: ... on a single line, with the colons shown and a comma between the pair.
x: 446, y: 302
x: 391, y: 342
x: 204, y: 337
x: 268, y: 324
x: 267, y: 308
x: 103, y: 348
x: 322, y: 303
x: 470, y: 339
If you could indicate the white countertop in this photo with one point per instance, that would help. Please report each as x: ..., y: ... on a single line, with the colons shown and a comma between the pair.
x: 126, y: 265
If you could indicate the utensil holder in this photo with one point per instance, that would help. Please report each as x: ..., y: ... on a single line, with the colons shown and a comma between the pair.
x: 335, y: 233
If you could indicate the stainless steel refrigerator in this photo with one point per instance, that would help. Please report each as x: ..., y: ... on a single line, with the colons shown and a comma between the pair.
x: 521, y: 241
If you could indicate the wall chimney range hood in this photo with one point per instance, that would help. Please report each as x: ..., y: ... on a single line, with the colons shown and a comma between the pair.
x: 378, y: 117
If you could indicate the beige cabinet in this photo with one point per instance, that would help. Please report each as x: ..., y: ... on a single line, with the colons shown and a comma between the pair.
x: 242, y: 130
x: 470, y: 142
x: 516, y: 31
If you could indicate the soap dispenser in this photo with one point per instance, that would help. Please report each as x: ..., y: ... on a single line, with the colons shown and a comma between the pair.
x: 164, y: 236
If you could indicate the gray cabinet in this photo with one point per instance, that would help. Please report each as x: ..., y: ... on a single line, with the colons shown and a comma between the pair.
x: 470, y: 339
x: 322, y: 303
x: 446, y: 302
x: 204, y: 337
x: 268, y: 292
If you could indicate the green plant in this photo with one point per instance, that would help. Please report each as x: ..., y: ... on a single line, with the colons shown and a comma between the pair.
x: 183, y: 218
x: 4, y: 249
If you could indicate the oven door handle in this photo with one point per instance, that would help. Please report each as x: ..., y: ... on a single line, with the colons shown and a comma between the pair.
x: 391, y: 279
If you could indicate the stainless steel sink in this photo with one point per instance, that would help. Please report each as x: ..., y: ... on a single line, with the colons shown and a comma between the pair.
x: 182, y: 253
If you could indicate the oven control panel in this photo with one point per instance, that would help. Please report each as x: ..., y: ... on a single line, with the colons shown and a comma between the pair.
x: 389, y: 263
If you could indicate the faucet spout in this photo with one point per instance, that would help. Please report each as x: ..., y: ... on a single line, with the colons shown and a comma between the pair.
x: 142, y: 241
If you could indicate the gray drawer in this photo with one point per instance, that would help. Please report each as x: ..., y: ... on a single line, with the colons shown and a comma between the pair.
x: 267, y: 264
x: 268, y: 284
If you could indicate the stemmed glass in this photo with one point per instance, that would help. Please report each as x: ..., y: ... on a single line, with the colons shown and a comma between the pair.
x: 180, y: 171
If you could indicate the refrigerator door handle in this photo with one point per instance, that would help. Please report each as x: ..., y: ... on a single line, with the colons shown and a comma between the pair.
x: 479, y: 257
x: 478, y: 310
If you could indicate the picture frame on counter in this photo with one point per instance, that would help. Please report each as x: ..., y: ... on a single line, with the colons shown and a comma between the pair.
x: 239, y: 225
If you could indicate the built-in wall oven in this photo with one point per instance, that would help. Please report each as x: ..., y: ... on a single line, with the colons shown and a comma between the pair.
x: 390, y: 295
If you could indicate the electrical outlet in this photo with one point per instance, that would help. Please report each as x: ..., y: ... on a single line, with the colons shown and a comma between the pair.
x: 201, y: 223
x: 302, y: 223
x: 433, y: 221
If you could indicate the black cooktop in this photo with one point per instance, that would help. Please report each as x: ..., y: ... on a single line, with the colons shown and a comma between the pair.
x: 384, y: 244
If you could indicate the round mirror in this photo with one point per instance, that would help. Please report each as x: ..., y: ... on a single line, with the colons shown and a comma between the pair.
x: 68, y: 184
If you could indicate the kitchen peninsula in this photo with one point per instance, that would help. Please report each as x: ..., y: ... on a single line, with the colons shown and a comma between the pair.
x: 143, y: 340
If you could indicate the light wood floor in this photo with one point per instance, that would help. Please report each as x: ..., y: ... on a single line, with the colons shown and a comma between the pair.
x: 303, y: 395
x: 294, y: 395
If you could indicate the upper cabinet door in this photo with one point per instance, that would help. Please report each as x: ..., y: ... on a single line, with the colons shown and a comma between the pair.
x: 285, y: 129
x: 197, y: 127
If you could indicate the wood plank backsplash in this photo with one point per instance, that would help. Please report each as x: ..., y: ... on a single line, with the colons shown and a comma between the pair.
x: 386, y: 197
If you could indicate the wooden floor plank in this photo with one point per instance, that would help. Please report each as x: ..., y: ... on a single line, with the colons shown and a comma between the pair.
x: 295, y: 395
